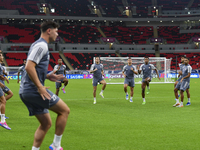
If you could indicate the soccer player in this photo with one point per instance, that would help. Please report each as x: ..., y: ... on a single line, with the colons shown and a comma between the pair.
x: 146, y: 69
x: 97, y: 70
x: 37, y: 98
x: 128, y: 73
x: 184, y: 83
x: 21, y: 70
x: 181, y: 65
x: 6, y: 90
x: 2, y: 97
x: 60, y: 69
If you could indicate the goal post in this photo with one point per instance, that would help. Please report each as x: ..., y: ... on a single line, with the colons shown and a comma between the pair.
x: 113, y: 69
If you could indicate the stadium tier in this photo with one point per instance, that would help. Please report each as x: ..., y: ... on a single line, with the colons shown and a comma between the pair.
x: 172, y: 35
x: 24, y: 7
x: 23, y: 33
x: 173, y: 4
x: 83, y: 61
x: 129, y: 35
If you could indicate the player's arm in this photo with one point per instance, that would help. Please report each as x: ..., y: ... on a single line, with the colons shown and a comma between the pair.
x: 65, y: 71
x: 5, y: 73
x: 37, y: 53
x: 157, y: 73
x: 102, y: 72
x: 133, y: 69
x: 189, y: 73
x: 31, y: 71
x: 18, y: 73
x: 139, y: 69
x: 56, y: 68
x: 92, y: 69
x: 18, y: 77
x: 123, y: 74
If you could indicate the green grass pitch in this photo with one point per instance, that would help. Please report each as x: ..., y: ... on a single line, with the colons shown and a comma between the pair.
x: 113, y: 123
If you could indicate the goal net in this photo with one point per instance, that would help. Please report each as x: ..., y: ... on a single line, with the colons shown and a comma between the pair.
x: 11, y: 70
x: 113, y: 69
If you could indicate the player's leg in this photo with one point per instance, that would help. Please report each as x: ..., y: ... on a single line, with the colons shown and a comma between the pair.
x: 9, y: 95
x: 57, y: 91
x: 103, y: 87
x: 125, y: 90
x: 3, y: 109
x: 131, y: 88
x: 188, y: 96
x: 95, y: 82
x: 62, y: 111
x: 176, y: 96
x: 58, y: 85
x: 94, y: 93
x: 148, y: 80
x: 65, y: 81
x: 182, y: 97
x: 183, y: 87
x: 45, y: 124
x: 175, y: 86
x: 143, y: 92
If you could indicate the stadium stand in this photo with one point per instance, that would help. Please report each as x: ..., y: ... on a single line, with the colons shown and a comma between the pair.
x: 129, y: 35
x: 24, y: 7
x: 79, y: 34
x: 20, y: 33
x: 172, y: 35
x: 173, y: 4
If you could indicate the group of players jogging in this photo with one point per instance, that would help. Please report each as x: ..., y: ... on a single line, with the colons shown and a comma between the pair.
x: 128, y: 71
x: 38, y: 99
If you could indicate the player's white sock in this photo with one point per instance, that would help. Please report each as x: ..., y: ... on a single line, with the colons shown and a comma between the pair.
x: 177, y: 101
x: 35, y: 148
x: 181, y: 103
x: 101, y: 91
x: 57, y: 140
x: 126, y: 93
x: 188, y: 99
x: 148, y: 87
x: 143, y: 99
x: 2, y: 118
x: 63, y: 86
x: 131, y: 98
x: 95, y: 99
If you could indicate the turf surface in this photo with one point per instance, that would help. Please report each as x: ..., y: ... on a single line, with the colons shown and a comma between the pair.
x: 113, y: 123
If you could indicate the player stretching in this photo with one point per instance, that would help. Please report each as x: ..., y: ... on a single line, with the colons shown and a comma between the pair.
x: 181, y: 65
x: 184, y: 83
x: 6, y: 90
x: 3, y: 99
x: 35, y: 95
x: 97, y: 70
x: 21, y: 70
x: 60, y: 69
x: 146, y: 68
x: 128, y: 73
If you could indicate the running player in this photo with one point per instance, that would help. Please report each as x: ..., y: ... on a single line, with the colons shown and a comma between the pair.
x: 97, y: 70
x: 146, y: 69
x: 6, y: 90
x: 184, y: 83
x: 21, y: 70
x: 3, y: 99
x: 60, y: 69
x: 35, y: 95
x: 181, y: 65
x: 128, y: 73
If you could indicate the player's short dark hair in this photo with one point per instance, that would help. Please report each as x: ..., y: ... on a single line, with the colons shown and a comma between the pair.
x: 129, y: 57
x: 97, y: 57
x: 187, y: 58
x: 48, y: 24
x: 146, y: 57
